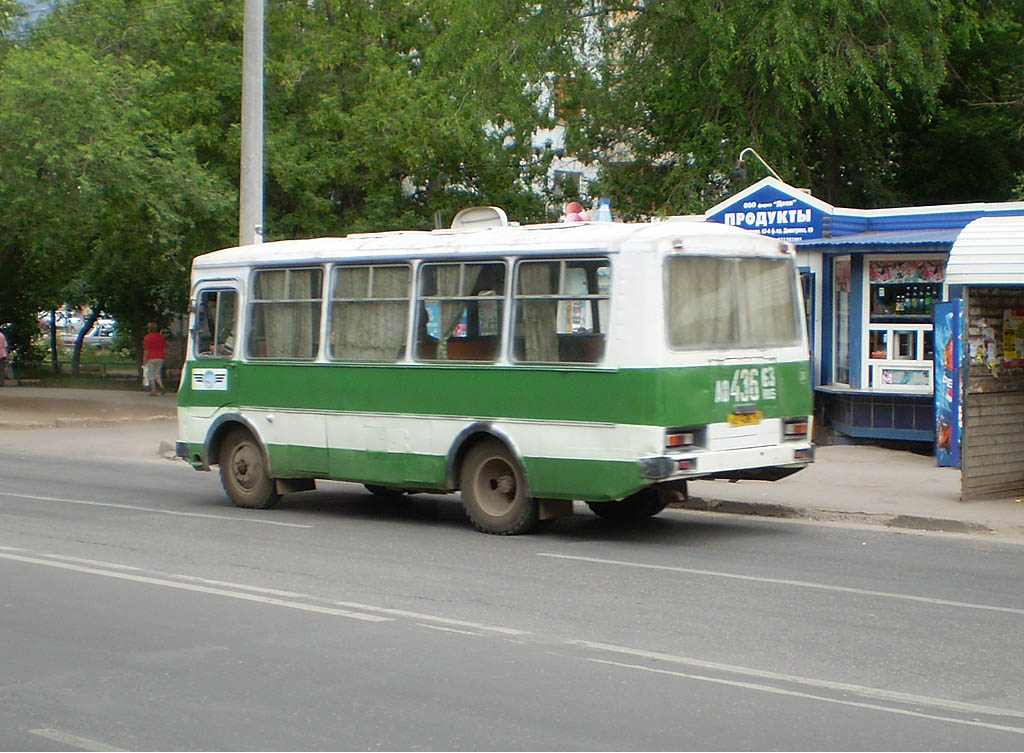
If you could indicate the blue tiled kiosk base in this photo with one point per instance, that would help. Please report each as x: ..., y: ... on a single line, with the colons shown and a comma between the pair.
x: 874, y: 415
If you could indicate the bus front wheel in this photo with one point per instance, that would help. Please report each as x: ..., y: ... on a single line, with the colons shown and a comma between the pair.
x: 494, y: 494
x: 243, y: 473
x: 645, y: 503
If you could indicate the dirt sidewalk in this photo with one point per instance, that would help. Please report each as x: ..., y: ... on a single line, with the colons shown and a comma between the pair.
x: 42, y: 407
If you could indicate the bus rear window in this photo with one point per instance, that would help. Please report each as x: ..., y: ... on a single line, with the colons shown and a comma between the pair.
x: 718, y: 302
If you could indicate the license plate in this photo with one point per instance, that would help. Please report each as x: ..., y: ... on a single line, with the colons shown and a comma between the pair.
x: 745, y: 419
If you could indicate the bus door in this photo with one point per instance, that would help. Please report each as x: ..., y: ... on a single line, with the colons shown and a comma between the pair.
x: 213, y: 371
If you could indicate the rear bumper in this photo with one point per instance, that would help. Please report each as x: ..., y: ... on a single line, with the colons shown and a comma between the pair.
x: 758, y: 463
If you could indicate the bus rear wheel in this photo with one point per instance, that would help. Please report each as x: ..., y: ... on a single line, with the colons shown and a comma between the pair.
x: 243, y: 474
x: 494, y: 493
x: 646, y: 503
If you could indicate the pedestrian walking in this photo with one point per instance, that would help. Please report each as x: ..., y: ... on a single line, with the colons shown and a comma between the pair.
x: 154, y: 348
x: 3, y: 358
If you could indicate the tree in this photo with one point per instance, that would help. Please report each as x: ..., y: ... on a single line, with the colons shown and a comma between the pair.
x: 378, y: 116
x: 383, y: 115
x: 99, y: 196
x: 821, y: 89
x: 972, y: 149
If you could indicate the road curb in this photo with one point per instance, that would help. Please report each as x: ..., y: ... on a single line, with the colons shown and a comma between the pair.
x: 775, y: 510
x: 73, y: 423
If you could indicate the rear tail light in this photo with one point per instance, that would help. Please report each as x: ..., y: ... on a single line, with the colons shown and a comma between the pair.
x: 676, y: 438
x: 795, y: 427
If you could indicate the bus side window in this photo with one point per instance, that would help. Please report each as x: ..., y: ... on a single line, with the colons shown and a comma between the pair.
x: 460, y: 311
x: 369, y: 312
x: 561, y: 310
x: 284, y: 313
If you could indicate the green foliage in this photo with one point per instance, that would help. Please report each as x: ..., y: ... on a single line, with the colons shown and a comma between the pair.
x: 973, y: 148
x: 381, y: 115
x: 121, y: 135
x: 101, y: 197
x: 123, y: 161
x: 826, y: 90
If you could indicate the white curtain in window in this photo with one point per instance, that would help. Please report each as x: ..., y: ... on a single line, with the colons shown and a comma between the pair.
x: 278, y: 319
x: 700, y: 302
x: 291, y: 327
x: 306, y: 285
x: 766, y: 302
x: 538, y: 319
x: 371, y: 329
x: 448, y: 286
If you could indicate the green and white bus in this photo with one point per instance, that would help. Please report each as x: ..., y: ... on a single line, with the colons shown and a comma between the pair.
x: 527, y: 367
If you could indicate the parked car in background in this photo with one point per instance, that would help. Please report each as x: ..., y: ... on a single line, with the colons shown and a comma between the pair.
x: 100, y: 336
x: 66, y: 321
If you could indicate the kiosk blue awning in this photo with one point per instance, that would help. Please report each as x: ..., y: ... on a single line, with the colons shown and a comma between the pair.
x: 934, y: 239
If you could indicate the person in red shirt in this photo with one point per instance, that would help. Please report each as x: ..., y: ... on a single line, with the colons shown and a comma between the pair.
x: 154, y: 348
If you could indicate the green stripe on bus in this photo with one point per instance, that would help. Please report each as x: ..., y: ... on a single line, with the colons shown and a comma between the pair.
x: 593, y: 480
x: 652, y: 397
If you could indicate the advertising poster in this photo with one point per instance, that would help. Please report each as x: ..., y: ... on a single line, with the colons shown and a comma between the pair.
x: 1013, y: 337
x: 948, y: 375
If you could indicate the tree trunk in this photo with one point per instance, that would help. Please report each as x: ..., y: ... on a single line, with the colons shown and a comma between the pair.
x: 87, y: 324
x: 53, y: 342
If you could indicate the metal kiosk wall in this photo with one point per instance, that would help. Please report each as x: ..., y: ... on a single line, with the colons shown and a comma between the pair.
x: 986, y: 264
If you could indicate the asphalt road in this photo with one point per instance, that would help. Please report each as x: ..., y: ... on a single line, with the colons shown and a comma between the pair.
x: 139, y: 610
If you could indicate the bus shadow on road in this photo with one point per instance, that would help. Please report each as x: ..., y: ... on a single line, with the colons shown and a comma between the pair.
x: 674, y: 526
x: 341, y: 499
x: 670, y: 527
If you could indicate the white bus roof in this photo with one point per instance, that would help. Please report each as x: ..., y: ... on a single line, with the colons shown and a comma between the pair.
x: 575, y: 237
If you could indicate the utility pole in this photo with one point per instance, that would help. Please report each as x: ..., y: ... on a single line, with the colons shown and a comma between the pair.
x: 250, y: 189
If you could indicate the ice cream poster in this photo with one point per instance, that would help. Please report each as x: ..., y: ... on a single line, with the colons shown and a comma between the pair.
x: 948, y: 348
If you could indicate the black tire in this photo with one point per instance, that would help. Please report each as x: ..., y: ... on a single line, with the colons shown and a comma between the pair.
x: 646, y: 503
x: 494, y: 493
x: 243, y: 472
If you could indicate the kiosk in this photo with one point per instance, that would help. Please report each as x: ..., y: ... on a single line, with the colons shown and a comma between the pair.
x: 986, y: 267
x: 871, y: 279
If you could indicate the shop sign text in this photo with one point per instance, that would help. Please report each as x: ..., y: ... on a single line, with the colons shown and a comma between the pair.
x: 780, y: 217
x: 772, y: 212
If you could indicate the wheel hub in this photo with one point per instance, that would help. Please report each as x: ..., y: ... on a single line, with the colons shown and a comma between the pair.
x: 496, y: 485
x: 244, y: 467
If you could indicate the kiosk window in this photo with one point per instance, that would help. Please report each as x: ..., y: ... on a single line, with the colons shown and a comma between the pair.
x: 905, y: 290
